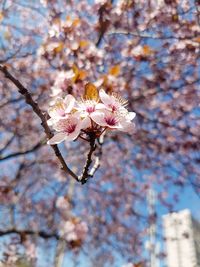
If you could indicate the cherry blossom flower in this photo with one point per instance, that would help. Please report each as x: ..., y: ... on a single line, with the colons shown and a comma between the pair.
x: 31, y: 252
x: 106, y: 118
x: 112, y: 102
x: 128, y: 265
x: 62, y: 203
x: 96, y: 111
x: 67, y: 230
x: 116, y: 103
x: 81, y: 230
x: 73, y: 230
x: 112, y: 120
x: 69, y: 117
x: 61, y: 108
x: 63, y: 80
x: 68, y: 129
x: 115, y: 115
x: 87, y: 107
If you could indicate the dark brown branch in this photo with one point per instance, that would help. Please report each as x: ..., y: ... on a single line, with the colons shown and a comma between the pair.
x: 29, y: 100
x: 21, y: 153
x: 197, y: 7
x: 22, y: 233
x: 84, y: 177
x: 98, y: 155
x: 104, y: 22
x: 6, y: 145
x: 11, y: 101
x: 148, y: 36
x: 4, y: 60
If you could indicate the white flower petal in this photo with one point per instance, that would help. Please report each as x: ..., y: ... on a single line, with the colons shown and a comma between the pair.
x: 52, y: 112
x: 51, y: 121
x: 86, y: 123
x: 130, y: 116
x: 58, y: 109
x: 127, y: 127
x: 69, y: 103
x: 57, y: 138
x: 100, y: 106
x: 69, y: 74
x: 105, y: 98
x: 99, y: 82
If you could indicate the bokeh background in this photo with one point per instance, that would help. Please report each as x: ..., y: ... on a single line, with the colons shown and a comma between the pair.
x: 148, y: 51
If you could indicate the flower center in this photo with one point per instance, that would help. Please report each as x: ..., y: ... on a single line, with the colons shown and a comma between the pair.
x: 111, y: 121
x: 113, y: 107
x: 90, y: 109
x: 70, y: 128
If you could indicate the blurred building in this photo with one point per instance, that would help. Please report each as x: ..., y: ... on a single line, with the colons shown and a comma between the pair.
x: 182, y: 238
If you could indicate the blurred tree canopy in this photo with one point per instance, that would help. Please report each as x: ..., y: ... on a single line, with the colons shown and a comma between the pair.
x: 149, y: 52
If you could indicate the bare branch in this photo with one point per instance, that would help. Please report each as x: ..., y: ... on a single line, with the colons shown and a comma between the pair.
x: 148, y: 36
x: 103, y: 21
x: 6, y: 145
x: 10, y: 56
x: 21, y: 153
x: 11, y: 101
x: 29, y: 100
x: 84, y: 177
x: 22, y: 233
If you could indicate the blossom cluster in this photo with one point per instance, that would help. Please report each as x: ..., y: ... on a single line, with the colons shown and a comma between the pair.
x: 71, y: 228
x: 73, y: 231
x: 95, y: 113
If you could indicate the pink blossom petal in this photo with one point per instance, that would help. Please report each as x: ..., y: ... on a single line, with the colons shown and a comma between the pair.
x: 72, y: 136
x: 64, y: 123
x: 98, y: 117
x: 57, y: 138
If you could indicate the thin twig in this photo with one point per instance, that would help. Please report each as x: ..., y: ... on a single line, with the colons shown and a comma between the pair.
x: 22, y: 233
x: 148, y: 36
x: 85, y: 174
x: 104, y: 22
x: 21, y: 153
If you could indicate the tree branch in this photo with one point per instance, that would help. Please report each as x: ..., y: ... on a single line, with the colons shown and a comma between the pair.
x: 104, y: 22
x: 22, y: 233
x: 85, y: 174
x: 6, y: 145
x: 20, y: 153
x: 148, y: 36
x: 11, y: 101
x: 29, y: 100
x: 10, y: 56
